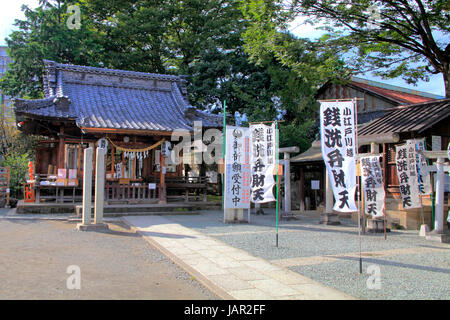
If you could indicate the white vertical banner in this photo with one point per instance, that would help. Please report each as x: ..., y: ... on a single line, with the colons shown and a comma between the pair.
x: 337, y: 129
x: 262, y: 162
x: 407, y: 175
x: 423, y: 175
x: 237, y: 168
x: 372, y: 184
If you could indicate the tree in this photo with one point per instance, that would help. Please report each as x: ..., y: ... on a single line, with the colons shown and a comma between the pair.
x: 19, y: 165
x: 229, y: 75
x: 268, y: 35
x: 407, y: 38
x: 198, y: 38
x: 44, y: 35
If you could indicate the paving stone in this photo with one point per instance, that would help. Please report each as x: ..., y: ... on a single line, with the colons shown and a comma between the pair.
x: 230, y: 282
x: 247, y: 274
x: 250, y: 294
x: 273, y: 287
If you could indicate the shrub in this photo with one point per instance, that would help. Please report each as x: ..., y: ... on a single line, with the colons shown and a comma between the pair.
x: 19, y: 172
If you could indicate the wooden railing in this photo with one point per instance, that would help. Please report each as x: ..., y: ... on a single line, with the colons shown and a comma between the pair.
x: 131, y: 192
x: 187, y: 188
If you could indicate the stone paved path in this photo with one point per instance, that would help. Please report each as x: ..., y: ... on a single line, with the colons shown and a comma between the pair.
x: 231, y: 273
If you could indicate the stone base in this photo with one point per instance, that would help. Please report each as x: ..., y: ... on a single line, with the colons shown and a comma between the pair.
x: 376, y: 226
x: 258, y: 211
x: 92, y: 227
x: 236, y: 221
x: 288, y: 216
x: 424, y: 230
x: 235, y: 216
x: 329, y: 219
x: 443, y: 237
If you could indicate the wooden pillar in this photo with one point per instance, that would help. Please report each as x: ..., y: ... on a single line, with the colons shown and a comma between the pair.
x: 60, y: 161
x: 302, y: 189
x: 287, y: 182
x: 385, y: 168
x: 162, y: 194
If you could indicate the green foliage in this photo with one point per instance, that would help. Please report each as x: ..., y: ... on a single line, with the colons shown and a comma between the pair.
x: 296, y: 134
x: 229, y: 76
x: 266, y: 36
x: 19, y: 169
x: 14, y: 141
x: 407, y: 39
x: 44, y: 35
x: 16, y: 150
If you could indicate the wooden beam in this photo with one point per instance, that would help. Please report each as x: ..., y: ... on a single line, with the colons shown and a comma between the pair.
x: 80, y: 149
x: 113, y: 156
x: 128, y: 131
x: 302, y: 189
x: 61, y: 148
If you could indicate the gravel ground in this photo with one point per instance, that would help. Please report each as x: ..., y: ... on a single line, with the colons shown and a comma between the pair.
x: 117, y: 264
x: 409, y: 275
x: 405, y: 277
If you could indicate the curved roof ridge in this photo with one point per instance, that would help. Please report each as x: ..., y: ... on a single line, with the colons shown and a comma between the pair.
x: 27, y: 104
x: 106, y: 71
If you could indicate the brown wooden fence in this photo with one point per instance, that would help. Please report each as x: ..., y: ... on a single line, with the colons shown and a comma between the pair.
x: 115, y: 191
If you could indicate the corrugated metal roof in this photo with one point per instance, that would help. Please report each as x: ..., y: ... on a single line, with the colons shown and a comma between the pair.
x: 391, y: 87
x: 117, y: 99
x: 411, y: 118
x: 397, y: 96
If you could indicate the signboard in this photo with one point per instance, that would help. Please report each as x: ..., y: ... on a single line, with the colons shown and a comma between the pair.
x: 262, y: 162
x: 407, y: 175
x: 337, y: 129
x: 372, y: 185
x: 436, y: 142
x: 423, y: 176
x: 102, y: 143
x: 315, y: 184
x: 237, y: 168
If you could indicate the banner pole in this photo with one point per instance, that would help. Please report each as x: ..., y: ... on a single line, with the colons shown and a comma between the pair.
x: 277, y: 181
x: 223, y: 157
x: 355, y: 108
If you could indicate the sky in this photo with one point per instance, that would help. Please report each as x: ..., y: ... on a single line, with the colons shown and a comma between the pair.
x: 11, y: 10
